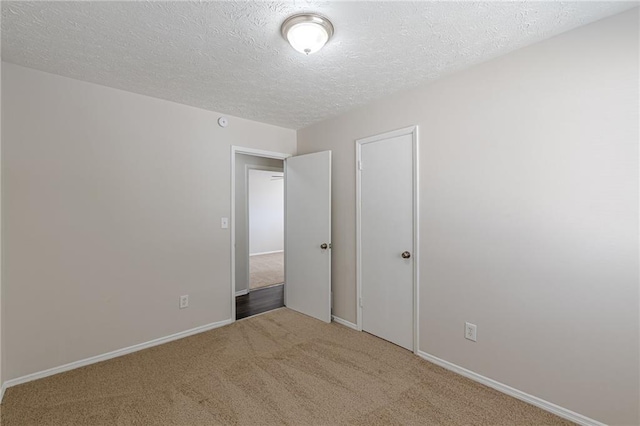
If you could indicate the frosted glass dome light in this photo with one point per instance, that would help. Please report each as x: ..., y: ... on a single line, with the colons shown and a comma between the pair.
x: 307, y: 32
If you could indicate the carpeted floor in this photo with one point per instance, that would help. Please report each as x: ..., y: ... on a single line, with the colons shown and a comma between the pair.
x: 278, y: 368
x: 266, y: 270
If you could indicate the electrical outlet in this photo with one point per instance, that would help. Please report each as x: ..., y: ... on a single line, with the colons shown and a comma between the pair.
x: 184, y: 301
x: 470, y: 331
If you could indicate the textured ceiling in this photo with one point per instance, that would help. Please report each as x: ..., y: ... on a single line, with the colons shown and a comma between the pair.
x: 229, y: 56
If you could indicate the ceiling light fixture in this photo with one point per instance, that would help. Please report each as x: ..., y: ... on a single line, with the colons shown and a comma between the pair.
x: 307, y: 32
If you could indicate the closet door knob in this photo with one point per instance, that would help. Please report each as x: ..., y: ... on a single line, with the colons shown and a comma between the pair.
x: 406, y: 255
x: 324, y: 246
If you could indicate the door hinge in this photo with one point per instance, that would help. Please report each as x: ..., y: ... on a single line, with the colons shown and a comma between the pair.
x: 359, y: 165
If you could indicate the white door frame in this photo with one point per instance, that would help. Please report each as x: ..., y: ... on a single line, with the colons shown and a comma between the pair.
x: 257, y: 153
x: 248, y: 167
x: 413, y: 131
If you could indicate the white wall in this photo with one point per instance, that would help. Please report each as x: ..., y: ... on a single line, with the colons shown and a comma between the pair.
x: 266, y: 212
x: 242, y: 220
x: 1, y: 298
x: 111, y: 208
x: 528, y: 215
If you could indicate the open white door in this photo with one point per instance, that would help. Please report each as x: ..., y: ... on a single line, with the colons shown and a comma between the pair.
x: 308, y: 234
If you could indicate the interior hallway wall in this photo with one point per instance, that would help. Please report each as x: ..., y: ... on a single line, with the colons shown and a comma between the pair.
x: 528, y: 215
x: 1, y: 298
x: 111, y: 207
x: 266, y: 212
x: 242, y: 237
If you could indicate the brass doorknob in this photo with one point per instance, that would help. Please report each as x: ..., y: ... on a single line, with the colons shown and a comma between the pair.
x: 324, y: 246
x: 406, y: 255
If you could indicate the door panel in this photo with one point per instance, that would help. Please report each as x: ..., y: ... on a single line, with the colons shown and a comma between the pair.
x: 386, y: 188
x: 307, y: 227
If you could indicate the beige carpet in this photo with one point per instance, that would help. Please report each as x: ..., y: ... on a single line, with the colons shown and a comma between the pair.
x: 266, y: 270
x: 278, y: 368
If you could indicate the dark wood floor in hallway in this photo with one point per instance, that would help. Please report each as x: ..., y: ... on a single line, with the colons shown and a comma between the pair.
x: 259, y: 301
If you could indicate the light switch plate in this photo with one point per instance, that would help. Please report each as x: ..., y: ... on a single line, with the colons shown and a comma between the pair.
x: 224, y: 222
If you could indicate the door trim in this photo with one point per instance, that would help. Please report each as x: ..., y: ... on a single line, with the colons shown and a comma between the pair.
x: 413, y: 131
x: 256, y: 153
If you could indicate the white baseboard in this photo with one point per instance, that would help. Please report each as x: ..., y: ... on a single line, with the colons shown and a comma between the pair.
x: 344, y: 322
x: 242, y: 292
x: 110, y: 355
x: 533, y: 400
x: 266, y: 252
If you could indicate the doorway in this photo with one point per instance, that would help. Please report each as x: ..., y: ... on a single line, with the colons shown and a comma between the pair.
x: 265, y: 234
x: 307, y: 234
x: 265, y: 214
x: 259, y: 234
x: 387, y: 236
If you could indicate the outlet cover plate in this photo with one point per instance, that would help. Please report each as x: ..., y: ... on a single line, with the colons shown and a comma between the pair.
x: 184, y: 301
x: 470, y: 331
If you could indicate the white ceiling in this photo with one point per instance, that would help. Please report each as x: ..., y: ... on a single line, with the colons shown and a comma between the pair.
x: 229, y: 56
